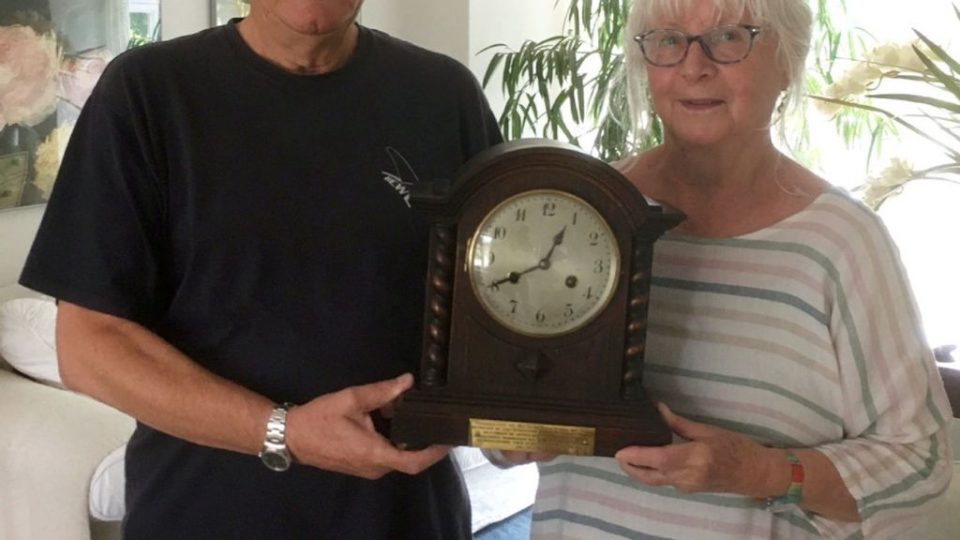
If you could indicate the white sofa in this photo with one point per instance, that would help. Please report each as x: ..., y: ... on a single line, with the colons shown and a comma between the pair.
x: 52, y: 440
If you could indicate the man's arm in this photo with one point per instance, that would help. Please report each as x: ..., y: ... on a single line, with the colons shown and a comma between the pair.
x: 132, y: 369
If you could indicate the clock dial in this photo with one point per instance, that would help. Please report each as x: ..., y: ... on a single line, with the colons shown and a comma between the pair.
x: 543, y: 263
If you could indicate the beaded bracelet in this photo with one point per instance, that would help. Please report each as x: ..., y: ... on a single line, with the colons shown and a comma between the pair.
x: 794, y: 492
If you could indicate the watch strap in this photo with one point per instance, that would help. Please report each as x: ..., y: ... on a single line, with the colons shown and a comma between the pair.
x: 277, y: 425
x: 274, y: 451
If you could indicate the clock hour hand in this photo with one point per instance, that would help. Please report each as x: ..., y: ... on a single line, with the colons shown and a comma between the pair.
x: 543, y: 264
x: 514, y: 277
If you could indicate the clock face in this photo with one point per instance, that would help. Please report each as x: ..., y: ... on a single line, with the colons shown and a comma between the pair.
x: 543, y: 263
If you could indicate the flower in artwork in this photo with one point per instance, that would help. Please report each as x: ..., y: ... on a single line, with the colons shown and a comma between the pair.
x: 79, y: 74
x: 49, y: 154
x: 28, y: 75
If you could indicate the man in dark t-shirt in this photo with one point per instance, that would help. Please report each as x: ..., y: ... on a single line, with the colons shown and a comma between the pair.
x: 239, y: 268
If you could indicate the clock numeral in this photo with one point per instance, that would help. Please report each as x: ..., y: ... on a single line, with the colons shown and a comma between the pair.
x: 594, y: 238
x: 513, y: 307
x: 494, y: 287
x: 490, y: 258
x: 499, y: 233
x: 568, y: 311
x: 549, y: 209
x: 575, y: 218
x: 521, y: 214
x: 540, y: 316
x: 589, y: 294
x: 598, y: 267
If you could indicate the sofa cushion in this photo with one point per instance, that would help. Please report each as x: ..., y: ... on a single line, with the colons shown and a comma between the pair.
x: 107, y: 487
x: 28, y: 338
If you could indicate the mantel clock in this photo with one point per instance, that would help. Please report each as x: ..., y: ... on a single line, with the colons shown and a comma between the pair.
x: 536, y: 304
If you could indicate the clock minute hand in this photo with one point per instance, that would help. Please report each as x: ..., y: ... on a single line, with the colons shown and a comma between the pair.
x: 557, y: 240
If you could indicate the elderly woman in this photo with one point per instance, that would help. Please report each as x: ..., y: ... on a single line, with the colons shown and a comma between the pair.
x: 784, y: 343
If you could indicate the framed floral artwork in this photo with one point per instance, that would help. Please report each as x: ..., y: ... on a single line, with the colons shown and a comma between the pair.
x: 222, y: 11
x: 51, y: 54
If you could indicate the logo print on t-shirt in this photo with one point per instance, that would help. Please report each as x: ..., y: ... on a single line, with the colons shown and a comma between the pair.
x: 403, y: 170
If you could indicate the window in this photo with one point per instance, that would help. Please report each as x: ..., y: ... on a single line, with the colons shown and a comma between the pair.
x: 925, y: 217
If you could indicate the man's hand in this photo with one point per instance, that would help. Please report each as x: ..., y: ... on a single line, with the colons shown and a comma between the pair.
x: 335, y: 432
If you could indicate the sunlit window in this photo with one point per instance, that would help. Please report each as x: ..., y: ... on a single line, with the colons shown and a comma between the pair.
x: 923, y: 217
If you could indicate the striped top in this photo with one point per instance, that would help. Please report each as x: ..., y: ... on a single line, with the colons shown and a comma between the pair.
x: 803, y: 334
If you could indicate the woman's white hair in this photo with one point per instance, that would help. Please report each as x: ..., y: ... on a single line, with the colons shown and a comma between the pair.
x: 791, y: 21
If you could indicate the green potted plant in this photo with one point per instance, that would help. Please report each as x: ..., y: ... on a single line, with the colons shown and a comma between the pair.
x: 558, y: 86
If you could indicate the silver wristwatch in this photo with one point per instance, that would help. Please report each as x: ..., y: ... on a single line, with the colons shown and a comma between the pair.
x: 274, y: 453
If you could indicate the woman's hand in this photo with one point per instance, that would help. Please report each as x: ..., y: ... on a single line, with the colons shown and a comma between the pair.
x: 712, y: 459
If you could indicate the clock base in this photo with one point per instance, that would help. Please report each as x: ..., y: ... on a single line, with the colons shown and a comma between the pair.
x: 422, y: 418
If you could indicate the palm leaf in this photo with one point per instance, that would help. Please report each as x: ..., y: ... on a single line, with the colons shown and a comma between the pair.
x: 938, y: 51
x: 950, y: 151
x: 948, y: 81
x: 492, y: 67
x: 920, y: 100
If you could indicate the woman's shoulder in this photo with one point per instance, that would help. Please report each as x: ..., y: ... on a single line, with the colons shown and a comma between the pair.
x: 840, y: 209
x: 817, y: 204
x: 837, y: 227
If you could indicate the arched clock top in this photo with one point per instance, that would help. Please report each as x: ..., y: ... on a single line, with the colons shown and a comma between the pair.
x: 535, y: 164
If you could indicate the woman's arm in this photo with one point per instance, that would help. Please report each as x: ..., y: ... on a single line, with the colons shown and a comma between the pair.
x: 716, y: 460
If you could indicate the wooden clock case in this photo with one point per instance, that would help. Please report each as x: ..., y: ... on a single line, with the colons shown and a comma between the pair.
x: 587, y: 383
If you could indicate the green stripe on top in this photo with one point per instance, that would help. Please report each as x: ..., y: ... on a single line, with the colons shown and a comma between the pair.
x: 594, y: 523
x: 749, y: 383
x: 757, y: 432
x: 737, y: 290
x: 757, y: 344
x: 828, y: 267
x: 621, y: 479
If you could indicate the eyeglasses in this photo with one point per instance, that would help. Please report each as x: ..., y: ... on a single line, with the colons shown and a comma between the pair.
x: 726, y: 44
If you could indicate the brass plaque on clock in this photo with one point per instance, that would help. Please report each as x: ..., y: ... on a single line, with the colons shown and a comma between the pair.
x: 536, y: 298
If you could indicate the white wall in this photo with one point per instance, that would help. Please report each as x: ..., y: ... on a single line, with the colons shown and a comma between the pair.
x: 181, y: 17
x: 462, y: 28
x: 439, y: 25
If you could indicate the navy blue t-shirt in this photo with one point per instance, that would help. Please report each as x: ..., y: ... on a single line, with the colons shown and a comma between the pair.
x: 259, y: 221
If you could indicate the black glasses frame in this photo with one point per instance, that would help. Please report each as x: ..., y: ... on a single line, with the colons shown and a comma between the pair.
x: 704, y: 46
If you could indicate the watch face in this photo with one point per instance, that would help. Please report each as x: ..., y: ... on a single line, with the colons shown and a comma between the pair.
x: 543, y: 263
x: 276, y: 460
